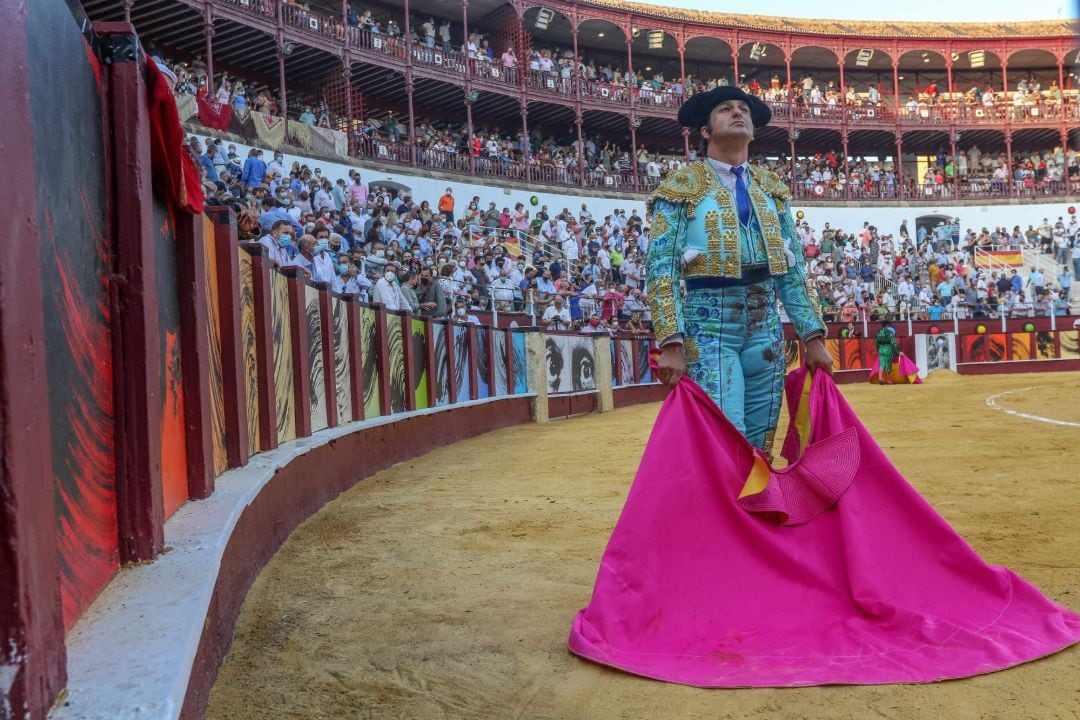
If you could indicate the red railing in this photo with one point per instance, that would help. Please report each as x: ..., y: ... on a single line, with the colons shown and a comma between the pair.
x: 936, y: 112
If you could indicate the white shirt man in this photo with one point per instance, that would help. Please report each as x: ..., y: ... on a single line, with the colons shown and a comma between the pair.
x: 557, y: 315
x: 631, y: 272
x: 549, y: 232
x: 570, y: 248
x: 386, y: 292
x: 502, y: 289
x: 322, y: 267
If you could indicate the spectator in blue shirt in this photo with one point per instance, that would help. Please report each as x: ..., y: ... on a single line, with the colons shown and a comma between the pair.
x: 935, y: 311
x: 254, y: 169
x: 272, y: 213
x: 207, y: 160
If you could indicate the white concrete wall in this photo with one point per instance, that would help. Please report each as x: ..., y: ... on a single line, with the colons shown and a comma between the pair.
x: 431, y: 189
x: 886, y: 218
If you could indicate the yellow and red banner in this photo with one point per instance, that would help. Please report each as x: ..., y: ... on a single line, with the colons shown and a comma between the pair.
x: 999, y: 258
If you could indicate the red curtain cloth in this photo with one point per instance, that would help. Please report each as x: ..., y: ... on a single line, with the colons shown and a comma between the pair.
x: 726, y: 572
x: 213, y: 114
x: 175, y: 174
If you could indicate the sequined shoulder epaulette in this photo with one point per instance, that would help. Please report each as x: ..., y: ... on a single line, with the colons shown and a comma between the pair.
x: 689, y: 184
x: 771, y: 183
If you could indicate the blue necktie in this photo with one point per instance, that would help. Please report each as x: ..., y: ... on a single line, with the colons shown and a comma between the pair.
x: 742, y: 195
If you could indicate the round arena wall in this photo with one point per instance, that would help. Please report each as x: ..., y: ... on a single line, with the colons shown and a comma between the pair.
x: 192, y: 405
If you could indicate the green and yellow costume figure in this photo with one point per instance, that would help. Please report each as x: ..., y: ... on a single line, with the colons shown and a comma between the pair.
x: 736, y: 260
x: 887, y: 349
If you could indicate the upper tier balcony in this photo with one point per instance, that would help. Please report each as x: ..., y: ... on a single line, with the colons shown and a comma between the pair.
x: 896, y: 108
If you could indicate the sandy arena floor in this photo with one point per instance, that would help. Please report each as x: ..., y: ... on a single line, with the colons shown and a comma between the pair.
x: 444, y: 587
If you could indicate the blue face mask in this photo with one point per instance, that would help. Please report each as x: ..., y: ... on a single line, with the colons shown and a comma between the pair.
x: 285, y: 240
x: 322, y: 242
x: 342, y: 268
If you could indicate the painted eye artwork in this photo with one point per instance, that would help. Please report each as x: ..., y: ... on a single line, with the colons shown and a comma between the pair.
x: 554, y: 364
x: 581, y: 366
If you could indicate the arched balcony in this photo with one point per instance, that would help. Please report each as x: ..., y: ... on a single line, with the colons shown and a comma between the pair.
x: 629, y: 70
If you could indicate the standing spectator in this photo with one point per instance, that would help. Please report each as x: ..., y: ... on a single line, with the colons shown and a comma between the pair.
x: 386, y: 292
x: 208, y: 161
x: 254, y: 169
x: 446, y: 204
x: 434, y: 301
x: 1037, y: 282
x: 408, y: 289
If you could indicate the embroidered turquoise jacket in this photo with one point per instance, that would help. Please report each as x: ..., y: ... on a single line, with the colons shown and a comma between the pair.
x: 695, y: 232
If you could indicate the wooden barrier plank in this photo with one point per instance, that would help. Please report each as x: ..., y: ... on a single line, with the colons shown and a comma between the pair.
x: 232, y: 341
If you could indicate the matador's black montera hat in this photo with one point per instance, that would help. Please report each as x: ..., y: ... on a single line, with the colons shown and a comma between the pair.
x: 694, y: 113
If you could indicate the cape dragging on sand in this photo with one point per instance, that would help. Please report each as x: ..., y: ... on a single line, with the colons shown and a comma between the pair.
x: 725, y: 572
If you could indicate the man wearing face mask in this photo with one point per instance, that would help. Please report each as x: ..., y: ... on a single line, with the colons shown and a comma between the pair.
x: 278, y: 244
x: 434, y: 301
x: 347, y: 278
x: 273, y: 213
x: 322, y: 266
x: 408, y: 287
x: 305, y: 258
x: 386, y: 292
x: 462, y: 314
x: 727, y: 230
x: 277, y: 165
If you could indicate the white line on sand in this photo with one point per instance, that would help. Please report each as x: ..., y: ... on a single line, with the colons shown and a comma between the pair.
x: 991, y: 403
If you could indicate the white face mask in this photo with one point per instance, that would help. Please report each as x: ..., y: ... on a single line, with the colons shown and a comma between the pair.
x: 380, y: 253
x: 460, y: 312
x: 390, y: 276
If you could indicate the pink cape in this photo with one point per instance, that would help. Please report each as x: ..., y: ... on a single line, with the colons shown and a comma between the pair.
x: 903, y: 371
x: 833, y: 570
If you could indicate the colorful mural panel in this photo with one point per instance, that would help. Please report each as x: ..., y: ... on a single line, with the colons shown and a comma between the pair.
x: 569, y: 363
x: 483, y: 363
x: 342, y: 373
x: 247, y: 338
x: 396, y: 363
x: 442, y: 368
x: 418, y: 383
x: 316, y: 379
x: 644, y: 369
x: 70, y: 167
x: 213, y: 347
x: 174, y: 475
x: 1069, y: 342
x: 625, y: 351
x: 281, y: 331
x: 368, y: 352
x: 1045, y: 348
x: 461, y: 360
x: 1020, y: 346
x: 501, y: 358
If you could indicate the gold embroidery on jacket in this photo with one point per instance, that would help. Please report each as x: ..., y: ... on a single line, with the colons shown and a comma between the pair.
x: 770, y: 228
x: 688, y: 185
x: 662, y: 306
x: 690, y: 350
x: 659, y: 225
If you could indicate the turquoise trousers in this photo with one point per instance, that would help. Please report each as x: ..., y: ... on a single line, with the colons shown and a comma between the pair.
x: 734, y: 348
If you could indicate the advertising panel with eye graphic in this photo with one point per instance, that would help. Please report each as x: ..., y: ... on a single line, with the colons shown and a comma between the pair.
x: 570, y: 364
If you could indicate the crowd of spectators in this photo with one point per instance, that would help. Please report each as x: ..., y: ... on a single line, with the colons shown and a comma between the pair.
x: 579, y: 272
x: 437, y: 257
x: 932, y: 273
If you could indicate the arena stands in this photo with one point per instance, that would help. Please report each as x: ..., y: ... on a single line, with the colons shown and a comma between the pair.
x: 592, y: 102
